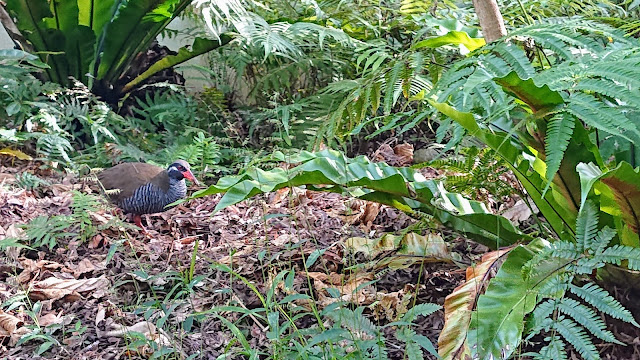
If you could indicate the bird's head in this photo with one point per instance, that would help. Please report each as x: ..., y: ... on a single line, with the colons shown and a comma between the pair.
x: 180, y: 170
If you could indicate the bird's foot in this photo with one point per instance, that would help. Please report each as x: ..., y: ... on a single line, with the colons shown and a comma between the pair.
x: 137, y: 219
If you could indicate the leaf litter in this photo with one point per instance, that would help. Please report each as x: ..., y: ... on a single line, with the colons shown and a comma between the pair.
x: 121, y: 294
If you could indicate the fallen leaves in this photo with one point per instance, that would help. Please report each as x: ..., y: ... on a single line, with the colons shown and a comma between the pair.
x: 401, y: 251
x: 351, y: 289
x: 400, y: 155
x: 8, y: 325
x: 53, y: 288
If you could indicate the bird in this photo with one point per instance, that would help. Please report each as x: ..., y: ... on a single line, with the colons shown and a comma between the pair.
x: 139, y: 188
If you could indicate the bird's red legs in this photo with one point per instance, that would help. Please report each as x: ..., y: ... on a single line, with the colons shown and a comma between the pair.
x: 138, y: 221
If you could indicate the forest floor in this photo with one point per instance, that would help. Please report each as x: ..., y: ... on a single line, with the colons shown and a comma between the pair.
x: 108, y: 291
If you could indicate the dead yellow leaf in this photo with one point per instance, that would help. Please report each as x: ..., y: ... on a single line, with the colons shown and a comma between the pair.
x: 15, y: 153
x: 150, y: 331
x: 404, y: 250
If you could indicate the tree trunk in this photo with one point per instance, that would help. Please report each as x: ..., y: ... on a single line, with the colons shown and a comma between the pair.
x: 490, y: 19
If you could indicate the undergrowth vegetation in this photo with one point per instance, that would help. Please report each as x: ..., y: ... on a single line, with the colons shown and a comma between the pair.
x: 529, y: 193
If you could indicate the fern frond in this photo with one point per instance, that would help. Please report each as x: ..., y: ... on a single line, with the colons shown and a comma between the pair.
x: 616, y: 254
x: 554, y: 350
x: 601, y: 300
x: 556, y: 286
x: 566, y: 250
x: 602, y: 240
x: 577, y: 337
x: 588, y: 318
x: 516, y: 58
x: 586, y: 225
x: 424, y: 309
x: 608, y: 88
x: 586, y: 265
x: 559, y: 132
x: 594, y: 113
x: 541, y: 317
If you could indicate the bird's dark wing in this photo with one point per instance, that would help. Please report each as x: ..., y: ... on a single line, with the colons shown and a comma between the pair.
x: 127, y: 177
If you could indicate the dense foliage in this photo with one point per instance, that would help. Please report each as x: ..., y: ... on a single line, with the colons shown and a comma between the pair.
x: 554, y: 102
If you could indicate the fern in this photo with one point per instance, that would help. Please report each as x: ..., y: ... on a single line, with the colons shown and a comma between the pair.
x: 576, y: 336
x: 30, y: 182
x: 83, y: 205
x: 54, y: 147
x: 47, y: 231
x: 203, y: 154
x: 572, y: 320
x: 586, y: 317
x: 601, y: 300
x: 473, y: 170
x: 559, y: 132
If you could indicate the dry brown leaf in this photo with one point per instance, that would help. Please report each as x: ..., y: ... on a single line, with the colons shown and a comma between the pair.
x: 54, y: 288
x: 347, y: 288
x: 404, y: 153
x: 144, y: 327
x: 7, y: 178
x: 8, y: 324
x: 83, y: 267
x: 392, y: 306
x: 227, y: 260
x: 17, y: 334
x: 518, y: 213
x: 371, y: 211
x: 284, y: 239
x: 385, y: 153
x: 50, y: 318
x: 279, y: 195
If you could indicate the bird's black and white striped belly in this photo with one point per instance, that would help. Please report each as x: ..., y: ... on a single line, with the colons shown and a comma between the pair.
x: 148, y: 199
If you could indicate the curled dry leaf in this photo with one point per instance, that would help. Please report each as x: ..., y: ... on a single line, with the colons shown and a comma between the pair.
x: 83, y: 267
x: 364, y: 212
x: 452, y: 343
x: 51, y: 318
x: 8, y: 324
x: 519, y: 212
x: 54, y: 288
x: 346, y: 286
x: 405, y: 154
x: 147, y: 328
x: 400, y: 155
x: 394, y: 305
x: 409, y: 249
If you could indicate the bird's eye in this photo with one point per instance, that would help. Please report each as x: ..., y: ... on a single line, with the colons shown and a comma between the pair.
x: 181, y: 168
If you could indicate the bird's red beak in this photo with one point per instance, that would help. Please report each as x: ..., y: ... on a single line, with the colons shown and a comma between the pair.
x: 189, y: 176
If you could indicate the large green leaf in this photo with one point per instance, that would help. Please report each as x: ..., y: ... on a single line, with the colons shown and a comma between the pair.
x: 497, y: 323
x: 555, y: 205
x: 538, y: 98
x: 123, y: 35
x: 135, y: 26
x: 95, y: 14
x: 622, y: 188
x: 31, y: 15
x: 80, y: 52
x: 199, y: 47
x: 402, y: 188
x: 451, y: 38
x: 458, y: 307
